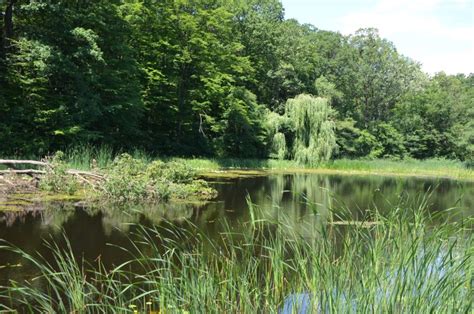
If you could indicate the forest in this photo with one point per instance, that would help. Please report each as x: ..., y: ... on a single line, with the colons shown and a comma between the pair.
x: 214, y: 156
x: 218, y: 78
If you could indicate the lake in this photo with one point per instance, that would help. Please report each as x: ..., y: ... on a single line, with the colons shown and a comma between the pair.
x: 302, y: 201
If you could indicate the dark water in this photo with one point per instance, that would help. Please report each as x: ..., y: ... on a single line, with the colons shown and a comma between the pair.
x: 302, y: 199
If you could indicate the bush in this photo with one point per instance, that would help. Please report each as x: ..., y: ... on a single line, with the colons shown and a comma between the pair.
x: 367, y: 145
x: 132, y: 180
x: 391, y: 141
x: 56, y: 178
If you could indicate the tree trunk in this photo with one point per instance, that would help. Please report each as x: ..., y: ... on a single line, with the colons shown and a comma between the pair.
x: 8, y: 20
x: 7, y: 31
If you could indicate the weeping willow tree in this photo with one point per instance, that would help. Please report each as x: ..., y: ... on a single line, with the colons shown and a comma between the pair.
x: 315, y: 139
x: 274, y: 123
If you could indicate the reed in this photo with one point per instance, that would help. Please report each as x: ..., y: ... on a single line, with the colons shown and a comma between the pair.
x: 410, y: 167
x: 398, y: 264
x: 85, y: 156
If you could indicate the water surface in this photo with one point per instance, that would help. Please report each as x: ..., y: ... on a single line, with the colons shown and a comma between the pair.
x: 304, y: 201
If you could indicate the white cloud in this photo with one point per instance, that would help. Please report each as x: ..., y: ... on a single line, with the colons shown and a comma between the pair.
x: 451, y: 63
x: 417, y: 30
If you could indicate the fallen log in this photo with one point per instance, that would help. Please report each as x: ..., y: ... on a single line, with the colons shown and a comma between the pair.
x: 23, y: 162
x: 85, y: 173
x: 89, y: 178
x: 25, y: 171
x: 35, y: 171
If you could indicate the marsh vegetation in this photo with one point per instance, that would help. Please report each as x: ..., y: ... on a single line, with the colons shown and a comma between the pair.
x: 350, y: 243
x: 403, y: 263
x: 123, y: 180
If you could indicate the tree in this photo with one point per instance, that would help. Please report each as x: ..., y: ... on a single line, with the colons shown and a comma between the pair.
x: 327, y: 89
x: 71, y: 77
x: 278, y: 128
x: 191, y: 61
x: 314, y: 130
x: 257, y: 23
x: 435, y: 121
x: 382, y: 76
x: 243, y: 133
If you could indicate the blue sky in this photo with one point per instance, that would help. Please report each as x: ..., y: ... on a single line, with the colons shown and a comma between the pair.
x: 437, y: 33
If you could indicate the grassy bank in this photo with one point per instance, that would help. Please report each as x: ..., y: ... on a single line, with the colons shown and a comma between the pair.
x: 394, y: 263
x: 84, y: 157
x: 432, y: 168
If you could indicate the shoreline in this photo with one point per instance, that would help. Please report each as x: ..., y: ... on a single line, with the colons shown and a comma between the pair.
x: 250, y: 172
x: 442, y: 169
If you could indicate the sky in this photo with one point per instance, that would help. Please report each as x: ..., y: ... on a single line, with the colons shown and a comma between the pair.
x: 437, y: 33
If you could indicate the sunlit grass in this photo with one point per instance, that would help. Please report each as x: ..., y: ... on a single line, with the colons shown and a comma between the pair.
x: 431, y: 167
x: 401, y: 264
x: 84, y: 157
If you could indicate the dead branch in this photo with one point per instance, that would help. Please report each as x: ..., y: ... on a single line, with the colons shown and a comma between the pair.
x: 7, y: 181
x: 89, y: 178
x: 81, y: 178
x: 35, y: 171
x: 26, y: 171
x: 23, y: 162
x: 85, y: 173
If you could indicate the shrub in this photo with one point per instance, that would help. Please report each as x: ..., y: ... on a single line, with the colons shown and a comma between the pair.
x: 132, y: 180
x: 390, y: 139
x: 56, y: 178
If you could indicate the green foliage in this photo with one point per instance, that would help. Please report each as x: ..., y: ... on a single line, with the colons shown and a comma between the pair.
x: 243, y: 133
x: 69, y: 83
x: 257, y: 24
x: 276, y: 127
x: 437, y: 120
x: 279, y: 149
x: 314, y: 131
x: 57, y: 179
x: 130, y: 179
x: 374, y: 264
x: 126, y: 182
x: 346, y: 136
x: 195, y: 77
x: 193, y: 68
x: 382, y: 76
x: 367, y: 145
x: 326, y: 89
x: 389, y: 140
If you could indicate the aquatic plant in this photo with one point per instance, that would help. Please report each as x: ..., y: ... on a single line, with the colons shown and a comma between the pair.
x: 398, y: 264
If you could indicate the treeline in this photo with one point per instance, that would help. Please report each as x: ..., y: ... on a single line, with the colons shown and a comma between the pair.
x: 213, y: 77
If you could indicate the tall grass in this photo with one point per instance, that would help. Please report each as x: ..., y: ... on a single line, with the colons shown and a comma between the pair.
x: 396, y: 165
x: 400, y: 264
x: 85, y: 156
x: 410, y: 167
